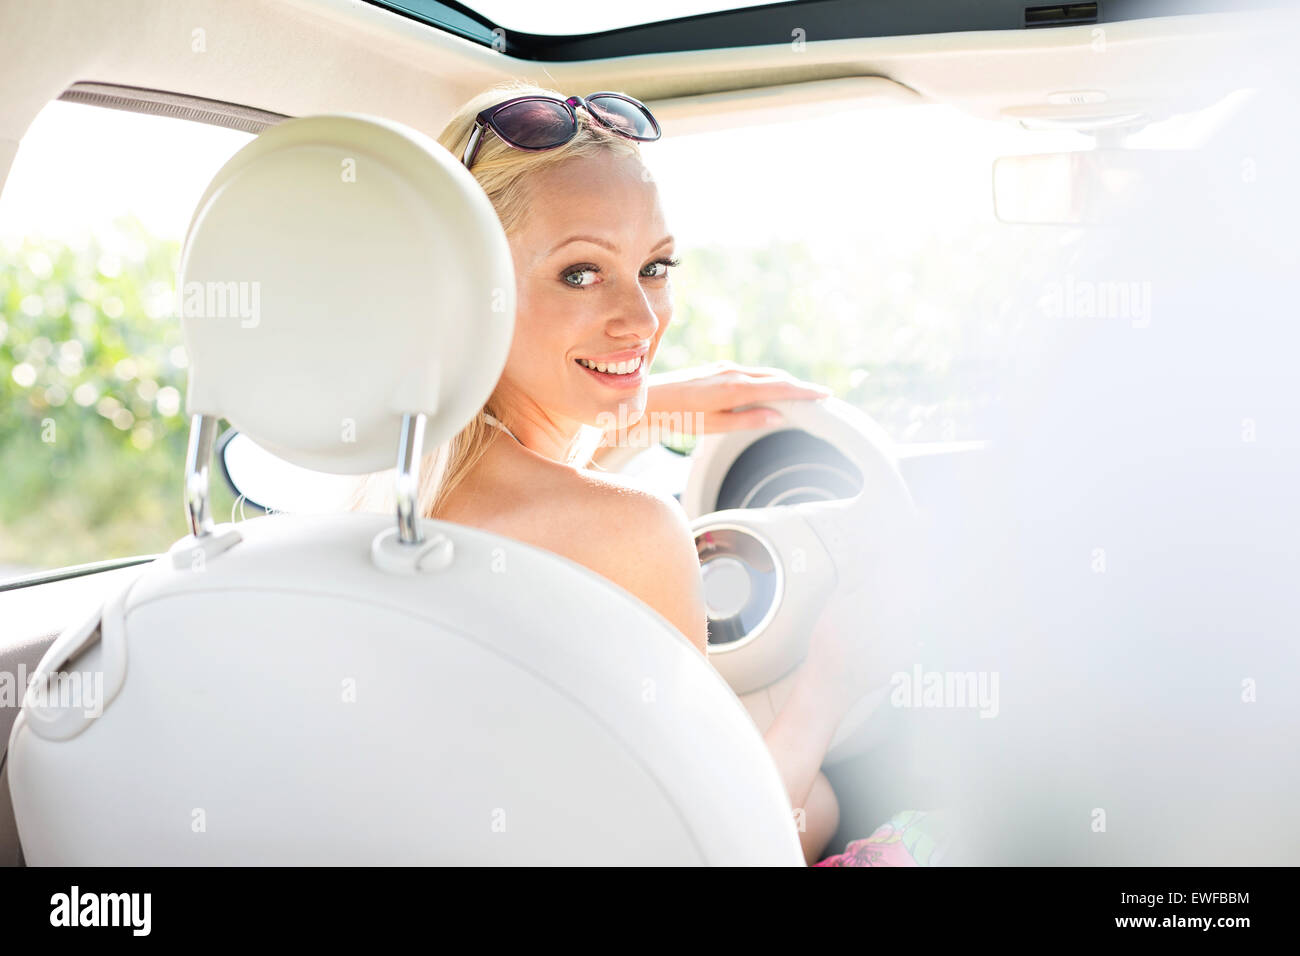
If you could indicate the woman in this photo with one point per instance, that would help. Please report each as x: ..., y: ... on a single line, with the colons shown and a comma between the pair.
x: 593, y: 257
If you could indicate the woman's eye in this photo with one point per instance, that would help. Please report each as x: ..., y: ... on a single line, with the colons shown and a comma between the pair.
x: 659, y: 268
x: 580, y: 276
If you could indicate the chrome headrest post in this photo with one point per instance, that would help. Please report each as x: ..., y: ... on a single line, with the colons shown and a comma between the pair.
x: 198, y: 461
x: 408, y: 478
x: 471, y: 148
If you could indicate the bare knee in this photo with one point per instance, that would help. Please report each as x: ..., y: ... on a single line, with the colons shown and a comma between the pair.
x: 821, y: 818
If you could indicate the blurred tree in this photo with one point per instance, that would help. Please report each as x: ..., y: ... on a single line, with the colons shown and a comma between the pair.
x: 92, y: 386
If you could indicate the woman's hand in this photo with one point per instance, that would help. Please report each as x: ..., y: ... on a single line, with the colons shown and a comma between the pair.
x: 702, y: 400
x: 852, y: 651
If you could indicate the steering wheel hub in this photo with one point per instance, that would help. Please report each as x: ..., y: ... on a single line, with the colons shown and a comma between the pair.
x: 743, y: 583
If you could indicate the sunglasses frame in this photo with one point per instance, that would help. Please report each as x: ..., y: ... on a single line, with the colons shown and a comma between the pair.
x: 487, y: 120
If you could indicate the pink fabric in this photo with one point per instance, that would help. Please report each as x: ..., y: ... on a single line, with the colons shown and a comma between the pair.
x: 903, y: 841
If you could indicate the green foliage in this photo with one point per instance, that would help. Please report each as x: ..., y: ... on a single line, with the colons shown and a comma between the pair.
x: 92, y: 385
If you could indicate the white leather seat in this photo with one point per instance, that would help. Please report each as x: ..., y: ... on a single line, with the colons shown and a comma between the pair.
x: 357, y: 688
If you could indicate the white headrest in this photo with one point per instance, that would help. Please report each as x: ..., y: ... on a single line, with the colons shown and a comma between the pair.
x: 340, y: 272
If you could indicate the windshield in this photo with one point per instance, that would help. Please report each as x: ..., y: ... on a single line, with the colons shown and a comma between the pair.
x: 858, y: 250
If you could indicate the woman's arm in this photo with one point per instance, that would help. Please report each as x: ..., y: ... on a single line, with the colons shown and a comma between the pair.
x: 798, y: 740
x: 840, y: 666
x: 802, y: 732
x: 650, y: 552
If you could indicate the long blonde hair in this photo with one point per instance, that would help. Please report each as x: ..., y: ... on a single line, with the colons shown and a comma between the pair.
x: 503, y: 172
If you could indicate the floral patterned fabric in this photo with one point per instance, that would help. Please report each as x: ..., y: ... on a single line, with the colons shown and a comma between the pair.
x: 909, y: 838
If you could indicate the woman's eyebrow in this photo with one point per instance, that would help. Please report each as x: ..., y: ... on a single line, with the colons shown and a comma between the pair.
x: 596, y: 240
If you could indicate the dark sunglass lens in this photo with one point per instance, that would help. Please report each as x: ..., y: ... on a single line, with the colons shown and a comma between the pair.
x: 535, y: 124
x: 624, y: 116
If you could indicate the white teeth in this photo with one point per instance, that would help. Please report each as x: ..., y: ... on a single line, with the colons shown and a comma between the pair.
x: 613, y: 368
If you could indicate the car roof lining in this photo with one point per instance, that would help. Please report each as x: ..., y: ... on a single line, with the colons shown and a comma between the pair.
x: 298, y: 57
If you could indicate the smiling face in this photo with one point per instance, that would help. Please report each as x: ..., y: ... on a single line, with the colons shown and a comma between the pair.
x: 592, y: 258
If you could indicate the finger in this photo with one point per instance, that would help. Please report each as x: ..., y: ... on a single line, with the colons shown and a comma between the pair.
x: 736, y: 421
x: 773, y: 390
x: 769, y: 376
x: 768, y: 371
x: 760, y: 373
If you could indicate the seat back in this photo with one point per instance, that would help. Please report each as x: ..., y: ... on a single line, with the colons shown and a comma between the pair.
x: 357, y: 688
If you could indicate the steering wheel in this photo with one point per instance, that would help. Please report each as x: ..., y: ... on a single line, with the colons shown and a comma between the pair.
x: 769, y: 571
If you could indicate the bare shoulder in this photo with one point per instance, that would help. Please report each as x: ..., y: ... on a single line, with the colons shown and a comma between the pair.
x: 639, y: 540
x: 636, y: 538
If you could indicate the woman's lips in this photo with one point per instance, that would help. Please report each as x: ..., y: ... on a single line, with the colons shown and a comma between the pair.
x: 630, y: 380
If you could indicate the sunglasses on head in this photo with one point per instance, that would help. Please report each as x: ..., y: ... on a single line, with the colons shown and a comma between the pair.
x: 546, y: 122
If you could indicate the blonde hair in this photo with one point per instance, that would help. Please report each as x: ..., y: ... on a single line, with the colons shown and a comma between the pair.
x: 503, y: 172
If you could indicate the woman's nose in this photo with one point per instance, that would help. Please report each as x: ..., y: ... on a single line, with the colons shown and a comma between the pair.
x: 635, y: 315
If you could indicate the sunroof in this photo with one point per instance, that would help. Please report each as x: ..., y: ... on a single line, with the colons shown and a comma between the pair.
x: 569, y: 30
x: 564, y: 17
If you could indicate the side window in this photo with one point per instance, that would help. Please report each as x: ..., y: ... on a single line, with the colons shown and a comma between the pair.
x: 92, y: 370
